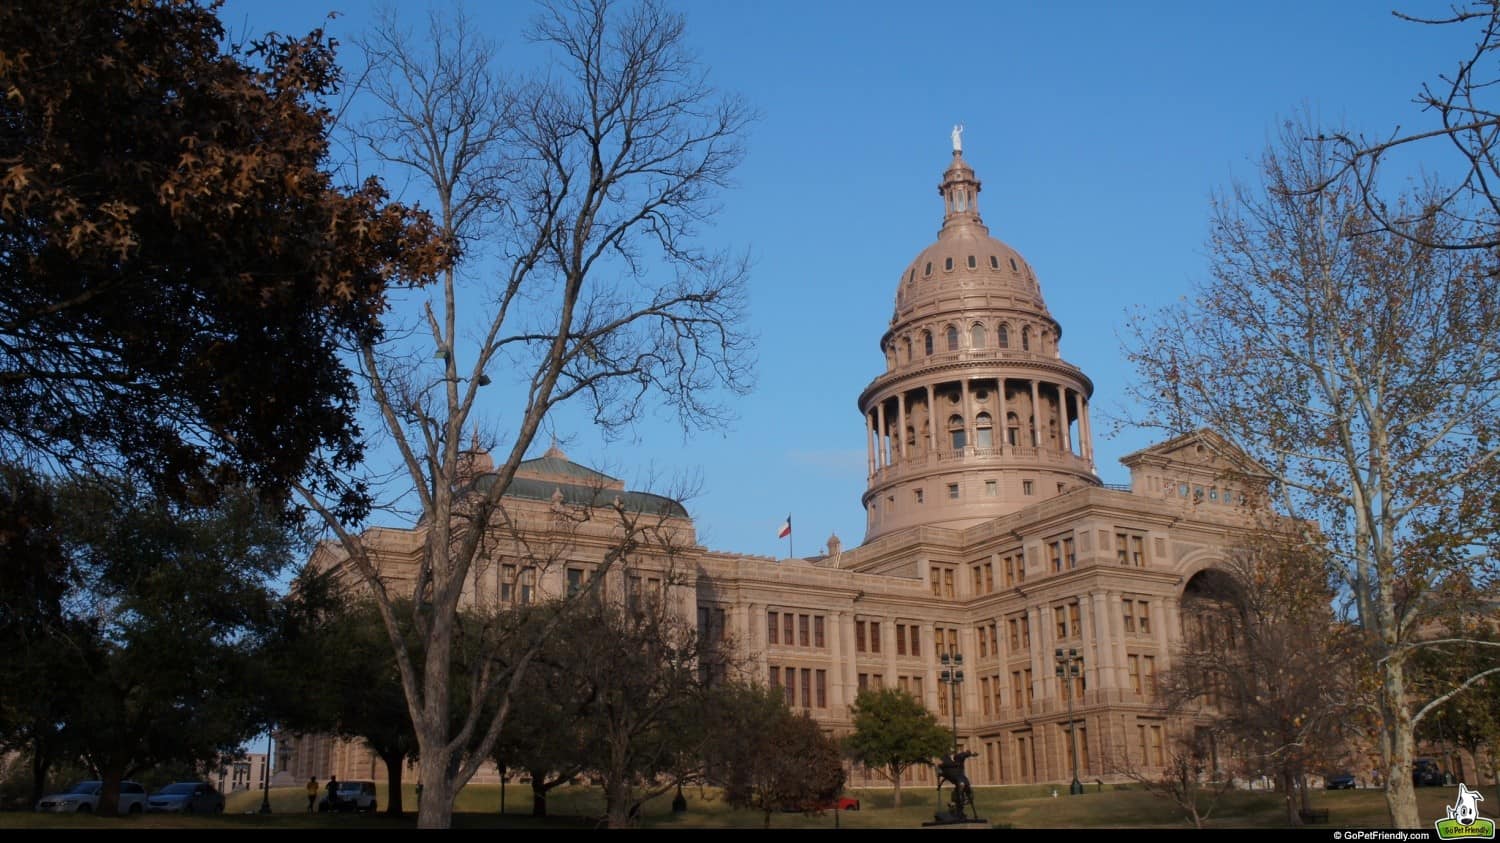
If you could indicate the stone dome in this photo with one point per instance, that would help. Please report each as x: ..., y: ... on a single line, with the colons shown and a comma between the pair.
x: 966, y: 261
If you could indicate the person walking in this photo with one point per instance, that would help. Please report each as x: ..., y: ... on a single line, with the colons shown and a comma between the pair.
x: 333, y: 793
x: 312, y: 793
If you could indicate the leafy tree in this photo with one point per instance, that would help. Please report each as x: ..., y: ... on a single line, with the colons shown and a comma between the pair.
x: 35, y: 680
x: 167, y: 616
x: 177, y: 268
x: 893, y: 731
x: 766, y: 757
x: 587, y: 186
x: 1364, y: 381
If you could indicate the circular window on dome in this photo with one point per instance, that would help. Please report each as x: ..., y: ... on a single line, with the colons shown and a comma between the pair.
x: 982, y: 395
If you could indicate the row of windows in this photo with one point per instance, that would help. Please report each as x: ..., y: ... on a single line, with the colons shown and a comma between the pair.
x: 1012, y: 572
x: 971, y: 262
x: 813, y: 685
x: 1212, y: 494
x: 788, y: 629
x: 1027, y: 338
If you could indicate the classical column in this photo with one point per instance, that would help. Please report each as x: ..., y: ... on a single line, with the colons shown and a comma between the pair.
x: 881, y: 443
x: 1101, y: 661
x: 963, y: 388
x: 838, y: 697
x: 870, y: 442
x: 1117, y: 638
x: 1168, y: 612
x: 1000, y: 425
x: 1085, y: 429
x: 1036, y: 415
x: 932, y: 425
x: 901, y: 424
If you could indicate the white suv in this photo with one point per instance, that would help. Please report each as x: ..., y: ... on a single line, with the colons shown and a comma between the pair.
x: 84, y: 796
x: 351, y: 796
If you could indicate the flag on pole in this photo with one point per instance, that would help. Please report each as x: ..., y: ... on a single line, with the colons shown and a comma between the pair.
x: 786, y: 529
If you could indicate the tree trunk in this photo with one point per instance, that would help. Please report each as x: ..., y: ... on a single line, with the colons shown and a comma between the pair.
x: 435, y: 805
x: 617, y: 803
x: 41, y: 761
x: 896, y: 780
x: 393, y: 802
x: 1284, y: 784
x: 1400, y: 795
x: 109, y: 796
x: 538, y: 793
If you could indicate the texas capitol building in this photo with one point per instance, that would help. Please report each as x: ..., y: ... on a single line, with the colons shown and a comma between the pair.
x: 988, y: 534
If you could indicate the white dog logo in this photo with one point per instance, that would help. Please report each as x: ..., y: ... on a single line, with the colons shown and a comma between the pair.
x: 1466, y: 808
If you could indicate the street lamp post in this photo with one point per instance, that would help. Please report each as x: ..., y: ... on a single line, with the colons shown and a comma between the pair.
x: 953, y: 676
x: 265, y: 778
x: 1070, y: 667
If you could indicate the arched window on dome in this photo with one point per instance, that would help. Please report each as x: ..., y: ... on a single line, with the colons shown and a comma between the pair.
x: 908, y: 349
x: 1026, y: 338
x: 972, y: 263
x: 952, y: 338
x: 994, y: 262
x: 927, y: 343
x: 948, y: 264
x: 1013, y: 265
x: 1004, y: 332
x: 984, y: 433
x: 928, y: 270
x: 1012, y: 428
x: 956, y: 434
x: 977, y: 336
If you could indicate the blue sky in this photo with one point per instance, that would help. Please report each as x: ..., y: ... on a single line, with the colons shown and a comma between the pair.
x: 1099, y: 129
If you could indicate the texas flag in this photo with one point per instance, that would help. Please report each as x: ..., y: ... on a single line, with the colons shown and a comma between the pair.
x: 786, y: 529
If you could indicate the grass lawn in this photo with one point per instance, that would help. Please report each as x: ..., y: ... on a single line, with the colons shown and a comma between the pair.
x: 1027, y: 806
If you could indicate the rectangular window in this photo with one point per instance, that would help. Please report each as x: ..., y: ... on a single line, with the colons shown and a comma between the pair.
x: 952, y: 491
x: 507, y: 583
x: 575, y: 581
x: 874, y: 636
x: 1018, y: 695
x: 948, y: 590
x: 918, y: 494
x: 859, y: 636
x: 1026, y: 487
x: 1054, y: 556
x: 789, y: 686
x: 1143, y: 617
x: 1127, y: 606
x: 900, y: 639
x: 1023, y: 757
x: 937, y: 580
x: 773, y: 627
x: 916, y: 687
x: 998, y: 690
x: 943, y: 700
x: 528, y: 582
x: 807, y: 687
x: 822, y: 686
x: 1133, y: 666
x: 1156, y: 746
x: 864, y: 681
x: 989, y: 578
x: 1060, y: 614
x: 1025, y: 631
x: 1010, y: 571
x: 1083, y: 748
x: 1148, y: 678
x: 804, y: 630
x: 1138, y: 551
x: 952, y: 641
x: 995, y: 639
x: 978, y: 580
x: 990, y: 489
x: 984, y: 693
x: 788, y: 620
x: 1074, y: 621
x: 775, y: 676
x: 1030, y: 690
x: 1070, y: 555
x: 818, y: 631
x: 984, y: 644
x: 916, y: 639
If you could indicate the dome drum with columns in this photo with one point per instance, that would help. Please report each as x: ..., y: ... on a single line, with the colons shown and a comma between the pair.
x: 977, y: 415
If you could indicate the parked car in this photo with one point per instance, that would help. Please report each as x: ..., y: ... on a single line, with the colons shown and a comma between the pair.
x: 351, y: 796
x: 84, y: 796
x: 1339, y: 781
x: 1426, y: 773
x: 186, y: 798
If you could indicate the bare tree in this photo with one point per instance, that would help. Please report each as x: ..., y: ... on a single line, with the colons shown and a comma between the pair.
x: 1465, y: 145
x: 1360, y: 368
x: 1185, y: 774
x: 1264, y: 665
x: 586, y: 187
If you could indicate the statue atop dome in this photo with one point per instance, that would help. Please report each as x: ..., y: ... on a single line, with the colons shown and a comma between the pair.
x: 958, y: 138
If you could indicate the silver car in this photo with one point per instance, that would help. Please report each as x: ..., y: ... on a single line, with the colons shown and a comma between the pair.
x: 186, y: 798
x: 84, y: 796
